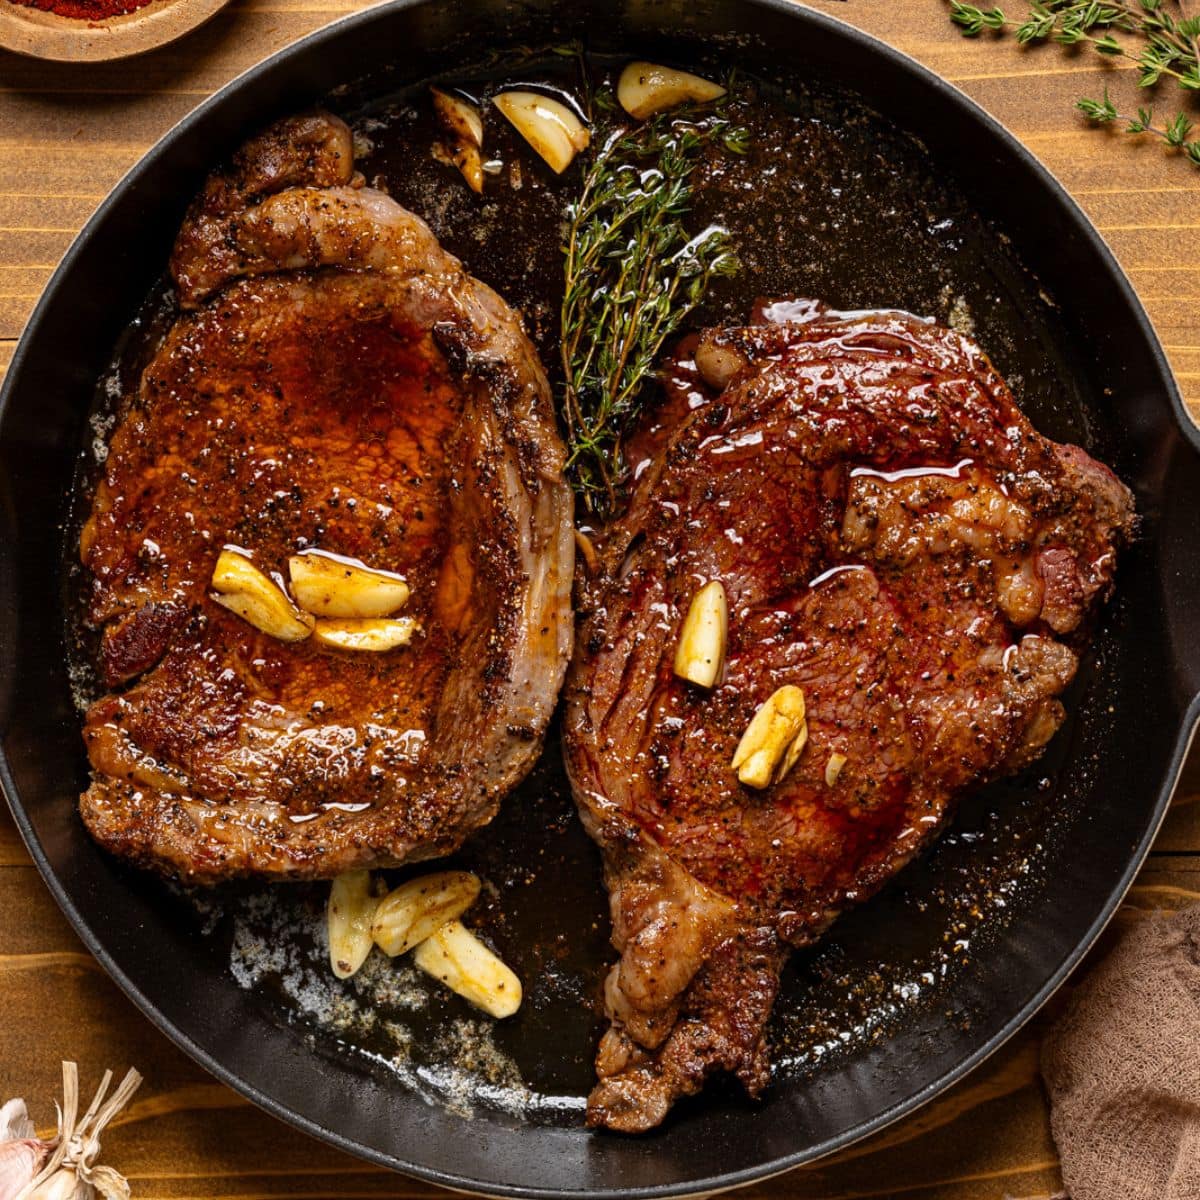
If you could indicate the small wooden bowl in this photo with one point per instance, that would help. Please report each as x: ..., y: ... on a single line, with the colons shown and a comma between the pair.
x: 71, y: 39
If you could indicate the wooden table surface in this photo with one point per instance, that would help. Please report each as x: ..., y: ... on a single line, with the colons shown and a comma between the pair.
x: 66, y: 137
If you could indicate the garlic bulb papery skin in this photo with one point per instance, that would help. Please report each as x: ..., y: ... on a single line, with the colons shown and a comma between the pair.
x: 20, y: 1160
x: 21, y: 1153
x: 15, y: 1124
x: 64, y: 1184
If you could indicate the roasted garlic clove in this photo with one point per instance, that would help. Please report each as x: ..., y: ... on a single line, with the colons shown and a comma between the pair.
x: 463, y: 124
x: 773, y: 740
x: 416, y: 910
x: 374, y: 634
x: 549, y: 126
x: 833, y: 768
x: 647, y: 88
x: 348, y: 918
x: 701, y: 649
x: 328, y: 585
x: 466, y: 966
x: 241, y: 587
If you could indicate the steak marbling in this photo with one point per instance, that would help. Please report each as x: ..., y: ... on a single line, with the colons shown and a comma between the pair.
x: 895, y: 539
x: 337, y: 381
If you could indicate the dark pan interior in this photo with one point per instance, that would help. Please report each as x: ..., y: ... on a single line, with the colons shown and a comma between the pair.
x: 1057, y: 848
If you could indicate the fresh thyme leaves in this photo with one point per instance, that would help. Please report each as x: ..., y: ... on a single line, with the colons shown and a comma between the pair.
x: 1164, y: 46
x: 1175, y: 133
x: 633, y: 271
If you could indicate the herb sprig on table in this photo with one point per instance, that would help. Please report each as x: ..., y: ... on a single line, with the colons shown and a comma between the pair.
x: 633, y: 271
x: 1162, y: 39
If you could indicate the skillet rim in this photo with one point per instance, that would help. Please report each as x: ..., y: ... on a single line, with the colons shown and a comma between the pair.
x: 1189, y: 433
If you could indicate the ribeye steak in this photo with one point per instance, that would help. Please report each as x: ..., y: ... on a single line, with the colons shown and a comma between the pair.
x: 336, y: 381
x: 896, y: 540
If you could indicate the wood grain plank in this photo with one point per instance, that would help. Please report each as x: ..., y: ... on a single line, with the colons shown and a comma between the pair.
x: 12, y: 849
x: 66, y: 138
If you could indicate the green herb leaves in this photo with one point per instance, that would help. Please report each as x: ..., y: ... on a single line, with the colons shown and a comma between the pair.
x: 1175, y: 133
x: 633, y: 271
x: 1162, y: 45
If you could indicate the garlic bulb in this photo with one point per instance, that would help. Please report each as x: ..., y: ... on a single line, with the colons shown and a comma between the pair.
x: 71, y: 1173
x: 21, y: 1152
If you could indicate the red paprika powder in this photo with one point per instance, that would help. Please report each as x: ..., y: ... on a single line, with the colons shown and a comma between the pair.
x: 85, y: 10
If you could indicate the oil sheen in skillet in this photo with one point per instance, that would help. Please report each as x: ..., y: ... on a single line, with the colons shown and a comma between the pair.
x: 831, y: 201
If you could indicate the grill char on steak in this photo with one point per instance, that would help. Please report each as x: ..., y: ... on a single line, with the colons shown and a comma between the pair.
x: 336, y: 381
x: 895, y: 539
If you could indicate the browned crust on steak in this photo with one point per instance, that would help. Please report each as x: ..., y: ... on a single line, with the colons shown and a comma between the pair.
x: 894, y: 538
x: 340, y: 383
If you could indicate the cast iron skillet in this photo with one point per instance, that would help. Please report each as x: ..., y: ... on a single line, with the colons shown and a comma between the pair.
x: 1119, y: 766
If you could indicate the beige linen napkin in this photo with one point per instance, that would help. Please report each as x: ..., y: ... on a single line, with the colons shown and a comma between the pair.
x: 1122, y: 1067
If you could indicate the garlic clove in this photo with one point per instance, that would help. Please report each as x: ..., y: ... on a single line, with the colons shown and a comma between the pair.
x: 463, y: 124
x: 774, y: 739
x: 458, y: 115
x: 241, y: 587
x: 647, y: 88
x: 549, y: 126
x: 374, y: 635
x: 701, y: 650
x: 348, y: 917
x: 833, y: 768
x: 791, y: 756
x: 416, y: 910
x: 328, y: 585
x: 466, y: 966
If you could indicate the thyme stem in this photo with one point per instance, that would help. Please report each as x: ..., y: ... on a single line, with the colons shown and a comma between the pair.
x: 1169, y: 47
x: 632, y: 273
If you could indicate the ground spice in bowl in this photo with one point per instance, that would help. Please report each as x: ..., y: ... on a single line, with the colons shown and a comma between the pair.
x: 84, y: 10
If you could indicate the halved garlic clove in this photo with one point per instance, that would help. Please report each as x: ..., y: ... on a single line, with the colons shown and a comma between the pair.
x: 416, y: 910
x: 373, y: 635
x: 701, y: 649
x: 833, y: 768
x: 241, y: 587
x: 463, y: 124
x: 348, y: 918
x: 773, y: 740
x: 466, y: 966
x: 549, y: 126
x: 328, y: 585
x: 647, y: 88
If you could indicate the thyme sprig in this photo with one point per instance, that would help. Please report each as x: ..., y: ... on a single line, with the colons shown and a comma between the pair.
x: 1164, y: 45
x: 1175, y: 133
x: 633, y: 271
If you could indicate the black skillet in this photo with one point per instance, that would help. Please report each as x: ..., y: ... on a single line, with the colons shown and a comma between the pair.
x: 1077, y: 829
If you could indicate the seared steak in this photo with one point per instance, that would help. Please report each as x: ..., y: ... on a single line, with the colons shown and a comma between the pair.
x: 896, y: 540
x: 339, y: 383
